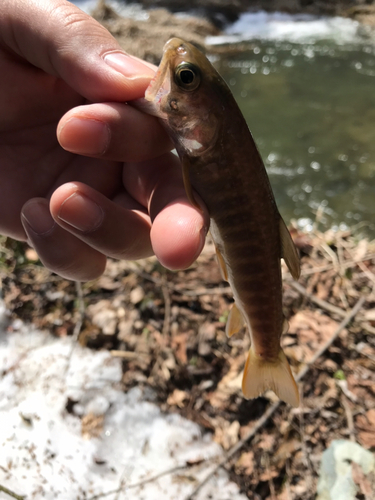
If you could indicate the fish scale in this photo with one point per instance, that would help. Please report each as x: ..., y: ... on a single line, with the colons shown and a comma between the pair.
x: 221, y: 163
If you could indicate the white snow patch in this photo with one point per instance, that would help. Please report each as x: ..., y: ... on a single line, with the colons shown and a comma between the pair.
x: 43, y: 453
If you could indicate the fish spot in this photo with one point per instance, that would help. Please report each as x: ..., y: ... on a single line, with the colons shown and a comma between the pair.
x: 191, y: 144
x: 173, y: 105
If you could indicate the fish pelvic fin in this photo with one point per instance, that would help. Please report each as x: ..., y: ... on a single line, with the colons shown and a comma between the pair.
x: 260, y: 375
x: 235, y: 321
x: 222, y: 266
x: 289, y: 251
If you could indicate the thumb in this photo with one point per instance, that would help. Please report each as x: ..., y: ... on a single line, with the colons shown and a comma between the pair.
x: 59, y: 38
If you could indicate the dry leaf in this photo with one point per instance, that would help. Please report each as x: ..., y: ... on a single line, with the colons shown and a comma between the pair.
x: 177, y: 398
x: 227, y: 433
x: 92, y: 425
x: 360, y: 479
x: 245, y: 464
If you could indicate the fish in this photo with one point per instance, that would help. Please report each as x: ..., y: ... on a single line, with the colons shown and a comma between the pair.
x: 221, y: 163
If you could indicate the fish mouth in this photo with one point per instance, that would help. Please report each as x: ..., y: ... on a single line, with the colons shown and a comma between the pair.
x: 157, y: 86
x: 157, y: 89
x: 160, y: 85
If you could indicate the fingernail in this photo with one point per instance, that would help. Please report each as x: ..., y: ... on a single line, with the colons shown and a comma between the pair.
x: 128, y: 66
x: 84, y: 136
x: 37, y: 217
x: 81, y: 213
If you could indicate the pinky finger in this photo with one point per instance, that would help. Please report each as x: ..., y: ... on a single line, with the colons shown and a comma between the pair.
x: 59, y: 250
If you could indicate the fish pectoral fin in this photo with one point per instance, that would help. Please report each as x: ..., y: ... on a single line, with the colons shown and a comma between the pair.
x: 260, y: 375
x: 222, y: 266
x: 187, y: 183
x: 289, y: 251
x: 235, y: 321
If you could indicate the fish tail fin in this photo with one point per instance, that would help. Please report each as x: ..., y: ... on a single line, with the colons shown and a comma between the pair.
x: 260, y: 375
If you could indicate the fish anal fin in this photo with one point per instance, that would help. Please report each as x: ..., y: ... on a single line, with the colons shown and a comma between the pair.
x: 261, y: 375
x: 235, y: 321
x: 187, y: 183
x: 289, y: 251
x: 223, y: 267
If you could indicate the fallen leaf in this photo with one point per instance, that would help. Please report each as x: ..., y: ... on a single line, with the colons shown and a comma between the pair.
x: 245, y: 464
x: 177, y: 398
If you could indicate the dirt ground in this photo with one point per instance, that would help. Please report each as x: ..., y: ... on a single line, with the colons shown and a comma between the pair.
x: 168, y: 328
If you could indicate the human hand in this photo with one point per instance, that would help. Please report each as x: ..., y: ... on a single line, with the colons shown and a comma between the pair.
x: 124, y: 198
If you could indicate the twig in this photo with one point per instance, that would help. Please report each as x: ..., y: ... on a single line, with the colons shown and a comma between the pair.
x: 258, y: 425
x: 370, y: 275
x: 142, y: 482
x: 167, y: 308
x: 330, y: 307
x: 331, y: 340
x: 11, y: 493
x: 287, y: 480
x: 207, y: 291
x: 331, y: 254
x: 272, y: 409
x: 368, y: 327
x: 129, y: 355
x: 319, y: 302
x: 346, y: 264
x: 309, y: 479
x: 271, y: 484
x: 349, y: 416
x: 78, y: 325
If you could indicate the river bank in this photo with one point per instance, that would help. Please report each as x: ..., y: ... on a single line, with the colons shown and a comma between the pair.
x: 144, y: 34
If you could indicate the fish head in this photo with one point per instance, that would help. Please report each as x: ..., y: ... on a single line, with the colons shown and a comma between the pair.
x: 184, y: 95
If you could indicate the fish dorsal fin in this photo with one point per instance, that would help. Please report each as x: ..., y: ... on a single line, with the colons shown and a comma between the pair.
x: 222, y: 266
x: 288, y: 251
x: 187, y: 183
x: 235, y: 321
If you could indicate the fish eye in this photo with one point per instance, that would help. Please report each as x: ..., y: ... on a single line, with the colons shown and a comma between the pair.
x: 187, y: 76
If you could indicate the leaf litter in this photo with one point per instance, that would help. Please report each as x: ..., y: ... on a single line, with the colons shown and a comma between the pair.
x: 168, y: 329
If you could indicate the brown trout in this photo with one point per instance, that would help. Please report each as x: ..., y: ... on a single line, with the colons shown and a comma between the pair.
x: 220, y: 162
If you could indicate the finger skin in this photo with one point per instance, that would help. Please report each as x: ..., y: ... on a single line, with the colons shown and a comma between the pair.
x: 152, y: 216
x: 178, y: 235
x: 119, y: 229
x: 178, y: 229
x: 63, y: 41
x: 112, y: 131
x: 58, y: 250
